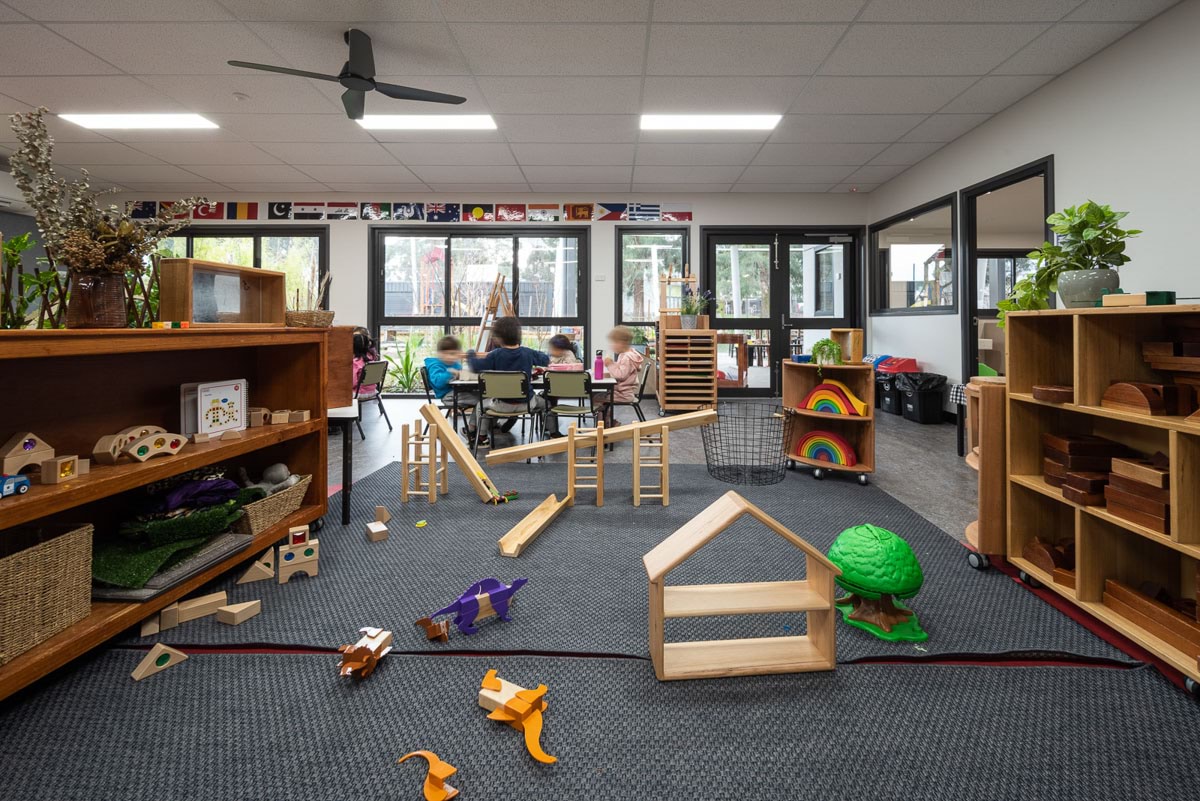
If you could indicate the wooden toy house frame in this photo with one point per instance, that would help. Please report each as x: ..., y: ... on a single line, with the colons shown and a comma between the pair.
x: 813, y: 595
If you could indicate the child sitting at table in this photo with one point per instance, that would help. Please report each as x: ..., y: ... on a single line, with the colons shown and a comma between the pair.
x: 624, y: 366
x: 445, y: 367
x: 510, y: 356
x: 562, y: 350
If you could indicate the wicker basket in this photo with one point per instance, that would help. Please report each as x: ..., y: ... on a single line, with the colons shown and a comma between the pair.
x: 45, y: 587
x: 261, y: 515
x: 308, y: 319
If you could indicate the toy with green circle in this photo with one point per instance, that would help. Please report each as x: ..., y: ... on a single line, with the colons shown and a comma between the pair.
x: 877, y: 568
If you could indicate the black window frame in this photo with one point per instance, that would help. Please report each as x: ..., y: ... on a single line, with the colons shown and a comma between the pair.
x: 878, y: 277
x: 996, y: 253
x: 619, y: 255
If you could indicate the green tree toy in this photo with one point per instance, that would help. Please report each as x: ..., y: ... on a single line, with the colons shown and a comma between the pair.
x: 877, y: 566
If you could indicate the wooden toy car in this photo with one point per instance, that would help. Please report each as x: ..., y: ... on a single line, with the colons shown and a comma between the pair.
x: 13, y: 485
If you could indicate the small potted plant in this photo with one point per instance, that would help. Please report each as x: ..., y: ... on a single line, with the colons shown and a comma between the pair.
x: 691, y: 306
x: 826, y: 351
x: 1080, y: 265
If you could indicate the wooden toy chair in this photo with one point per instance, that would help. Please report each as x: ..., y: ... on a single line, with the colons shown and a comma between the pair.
x: 373, y: 374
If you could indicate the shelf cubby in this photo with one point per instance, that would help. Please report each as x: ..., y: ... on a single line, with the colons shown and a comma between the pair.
x: 1051, y: 338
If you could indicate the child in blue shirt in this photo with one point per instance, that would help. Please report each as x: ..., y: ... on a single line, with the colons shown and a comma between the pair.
x: 510, y: 356
x: 444, y: 368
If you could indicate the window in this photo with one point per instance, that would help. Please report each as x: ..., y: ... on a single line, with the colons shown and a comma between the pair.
x: 913, y: 261
x: 995, y: 274
x: 645, y: 255
x: 826, y: 267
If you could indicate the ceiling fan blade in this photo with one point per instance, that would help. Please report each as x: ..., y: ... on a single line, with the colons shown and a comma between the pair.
x: 409, y: 93
x: 355, y: 102
x: 362, y: 55
x: 282, y: 70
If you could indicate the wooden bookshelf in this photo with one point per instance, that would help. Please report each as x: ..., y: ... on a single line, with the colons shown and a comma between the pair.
x: 1089, y: 349
x: 798, y: 380
x: 75, y: 386
x: 687, y: 369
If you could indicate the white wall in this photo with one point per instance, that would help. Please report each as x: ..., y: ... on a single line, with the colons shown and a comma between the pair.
x: 1122, y: 127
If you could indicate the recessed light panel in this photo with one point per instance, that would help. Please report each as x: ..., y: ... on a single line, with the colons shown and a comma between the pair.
x: 136, y: 121
x: 709, y: 122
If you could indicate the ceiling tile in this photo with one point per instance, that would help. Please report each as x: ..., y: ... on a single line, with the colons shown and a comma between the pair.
x: 274, y: 173
x: 573, y: 175
x: 170, y: 190
x: 185, y: 153
x: 966, y: 10
x: 739, y: 49
x: 137, y: 137
x: 264, y: 93
x: 377, y: 188
x: 108, y: 10
x: 782, y: 188
x: 464, y: 153
x: 9, y: 15
x: 703, y: 137
x: 581, y: 128
x: 565, y: 190
x: 836, y: 95
x: 363, y: 174
x: 455, y: 188
x: 292, y: 127
x: 579, y: 154
x: 729, y: 95
x: 331, y: 153
x: 164, y: 48
x: 721, y: 187
x: 28, y: 49
x: 143, y: 173
x: 400, y: 48
x: 340, y: 11
x: 115, y: 93
x: 460, y: 174
x: 1064, y: 46
x: 817, y: 154
x: 276, y: 189
x: 1119, y: 10
x: 461, y: 85
x: 437, y: 136
x: 906, y: 153
x: 106, y: 153
x: 927, y: 49
x: 646, y: 174
x: 529, y: 49
x: 848, y: 128
x: 756, y: 10
x: 541, y: 11
x: 944, y: 127
x: 874, y: 174
x: 797, y: 175
x: 861, y: 189
x: 995, y: 93
x: 693, y: 154
x: 569, y: 95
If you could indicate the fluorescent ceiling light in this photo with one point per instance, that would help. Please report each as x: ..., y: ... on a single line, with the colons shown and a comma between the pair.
x: 130, y: 121
x: 428, y: 122
x: 709, y: 122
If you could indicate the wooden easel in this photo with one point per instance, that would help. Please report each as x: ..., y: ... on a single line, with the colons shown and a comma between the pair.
x: 420, y: 470
x: 497, y: 301
x: 658, y: 445
x: 684, y: 282
x: 592, y: 465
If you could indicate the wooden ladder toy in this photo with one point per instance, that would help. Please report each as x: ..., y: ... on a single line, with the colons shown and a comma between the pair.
x: 591, y: 467
x: 422, y: 463
x: 655, y: 446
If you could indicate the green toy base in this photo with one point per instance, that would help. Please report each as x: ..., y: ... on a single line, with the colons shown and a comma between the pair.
x: 908, y: 631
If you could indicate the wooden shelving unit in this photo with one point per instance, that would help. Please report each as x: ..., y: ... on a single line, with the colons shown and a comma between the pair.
x: 75, y: 386
x: 687, y: 368
x: 986, y: 419
x: 800, y: 379
x: 1089, y: 349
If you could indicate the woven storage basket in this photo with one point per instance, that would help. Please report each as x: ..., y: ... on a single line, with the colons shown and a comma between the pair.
x: 261, y: 515
x: 44, y: 588
x: 308, y: 319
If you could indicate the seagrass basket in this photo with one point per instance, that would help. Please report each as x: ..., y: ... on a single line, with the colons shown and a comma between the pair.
x: 261, y: 515
x: 317, y: 318
x: 45, y: 586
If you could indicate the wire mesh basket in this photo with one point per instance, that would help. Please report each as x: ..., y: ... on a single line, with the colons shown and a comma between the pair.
x: 746, y: 444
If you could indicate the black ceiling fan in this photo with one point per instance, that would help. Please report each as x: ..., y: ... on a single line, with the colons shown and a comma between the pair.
x: 358, y: 76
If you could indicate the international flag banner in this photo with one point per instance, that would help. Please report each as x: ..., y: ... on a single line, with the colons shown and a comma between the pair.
x: 510, y: 212
x: 141, y: 209
x: 408, y: 211
x: 677, y: 212
x: 279, y: 211
x: 578, y: 212
x: 308, y: 211
x: 241, y: 211
x: 543, y: 212
x: 213, y: 211
x: 341, y: 210
x: 644, y: 212
x: 166, y: 205
x: 442, y: 212
x: 478, y: 212
x: 610, y: 211
x: 375, y: 211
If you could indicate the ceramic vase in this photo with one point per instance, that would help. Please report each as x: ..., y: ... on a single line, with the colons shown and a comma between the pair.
x: 1081, y: 288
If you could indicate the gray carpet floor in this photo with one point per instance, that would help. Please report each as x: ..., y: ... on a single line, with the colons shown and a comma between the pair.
x: 231, y: 727
x: 587, y: 587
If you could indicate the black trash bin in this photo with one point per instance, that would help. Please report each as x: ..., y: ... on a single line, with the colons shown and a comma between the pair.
x: 921, y: 396
x: 886, y: 393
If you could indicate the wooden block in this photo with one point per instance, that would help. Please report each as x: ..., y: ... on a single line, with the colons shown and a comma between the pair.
x: 1064, y: 577
x: 1049, y: 556
x: 302, y: 557
x: 108, y: 449
x: 533, y: 524
x: 1052, y: 469
x: 1083, y: 445
x: 231, y: 434
x: 1139, y: 488
x: 382, y: 515
x: 262, y: 568
x: 149, y: 627
x: 1082, y: 498
x: 1144, y: 398
x: 203, y: 606
x: 1162, y: 349
x: 299, y: 416
x: 1054, y: 481
x: 60, y: 469
x: 1054, y: 393
x: 1143, y: 470
x: 84, y: 466
x: 1077, y: 464
x: 1138, y: 299
x: 157, y: 660
x: 200, y: 437
x: 257, y: 416
x: 1138, y: 502
x: 280, y: 416
x: 168, y: 618
x: 1177, y: 629
x: 376, y: 531
x: 1091, y: 483
x: 1161, y: 525
x: 237, y: 614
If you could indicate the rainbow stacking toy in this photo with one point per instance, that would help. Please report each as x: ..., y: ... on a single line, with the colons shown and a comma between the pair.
x: 825, y: 446
x: 833, y: 397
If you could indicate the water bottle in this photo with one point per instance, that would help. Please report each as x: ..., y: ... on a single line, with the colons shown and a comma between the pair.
x: 598, y: 366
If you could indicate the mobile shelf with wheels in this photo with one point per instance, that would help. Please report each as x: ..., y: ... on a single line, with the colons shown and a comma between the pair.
x: 858, y: 430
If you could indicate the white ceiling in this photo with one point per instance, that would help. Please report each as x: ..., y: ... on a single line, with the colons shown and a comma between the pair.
x: 868, y: 87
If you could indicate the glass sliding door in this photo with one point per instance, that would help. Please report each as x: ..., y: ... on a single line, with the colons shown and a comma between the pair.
x: 739, y: 273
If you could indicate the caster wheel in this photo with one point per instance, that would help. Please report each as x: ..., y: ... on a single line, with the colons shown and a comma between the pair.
x: 791, y: 465
x: 862, y: 479
x: 819, y: 474
x: 317, y: 525
x: 1192, y: 686
x: 977, y: 560
x: 1030, y: 580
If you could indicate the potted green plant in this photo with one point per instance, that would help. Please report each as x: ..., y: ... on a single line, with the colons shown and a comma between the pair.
x: 691, y: 306
x: 1080, y: 265
x: 640, y: 341
x: 826, y: 351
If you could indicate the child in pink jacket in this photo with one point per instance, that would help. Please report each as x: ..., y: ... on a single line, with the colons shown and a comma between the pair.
x: 625, y: 365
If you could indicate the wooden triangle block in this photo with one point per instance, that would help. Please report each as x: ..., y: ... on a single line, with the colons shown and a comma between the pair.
x: 263, y: 568
x: 157, y: 660
x: 382, y: 515
x: 236, y: 614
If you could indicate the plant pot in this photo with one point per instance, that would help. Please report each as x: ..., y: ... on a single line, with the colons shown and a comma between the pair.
x: 688, y: 321
x: 1081, y: 288
x: 96, y: 300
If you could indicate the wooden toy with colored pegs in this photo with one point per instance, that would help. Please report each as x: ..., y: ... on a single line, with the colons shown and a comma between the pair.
x: 361, y: 659
x: 156, y: 444
x: 435, y: 787
x: 159, y: 658
x: 22, y: 451
x: 826, y: 446
x: 520, y: 708
x: 833, y: 397
x: 299, y: 555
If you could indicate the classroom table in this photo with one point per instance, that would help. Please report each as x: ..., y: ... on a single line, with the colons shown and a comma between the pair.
x: 471, y: 382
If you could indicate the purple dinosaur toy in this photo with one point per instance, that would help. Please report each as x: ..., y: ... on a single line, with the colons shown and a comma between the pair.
x: 484, y: 598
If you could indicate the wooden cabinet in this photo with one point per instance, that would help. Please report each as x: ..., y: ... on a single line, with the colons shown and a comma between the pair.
x: 986, y: 429
x: 687, y: 369
x: 799, y: 379
x: 209, y: 293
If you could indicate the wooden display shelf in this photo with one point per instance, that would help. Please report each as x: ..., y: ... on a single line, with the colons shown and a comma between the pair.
x: 748, y: 657
x: 859, y: 430
x: 687, y: 368
x: 847, y: 418
x: 1169, y: 422
x: 764, y: 597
